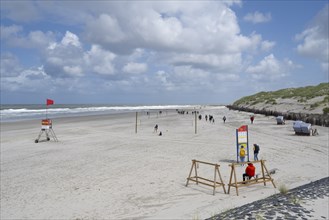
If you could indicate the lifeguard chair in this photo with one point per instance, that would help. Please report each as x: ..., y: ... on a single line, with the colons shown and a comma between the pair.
x: 47, y: 128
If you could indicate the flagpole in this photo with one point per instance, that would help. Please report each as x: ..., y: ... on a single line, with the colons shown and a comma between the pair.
x: 48, y: 102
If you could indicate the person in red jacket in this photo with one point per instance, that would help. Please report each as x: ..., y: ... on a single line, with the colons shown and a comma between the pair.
x: 250, y: 171
x: 252, y: 118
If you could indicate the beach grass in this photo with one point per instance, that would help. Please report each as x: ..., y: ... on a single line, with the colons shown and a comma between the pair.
x: 283, y: 189
x: 301, y: 94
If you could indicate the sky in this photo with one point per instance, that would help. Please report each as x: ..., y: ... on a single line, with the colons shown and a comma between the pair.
x: 159, y: 52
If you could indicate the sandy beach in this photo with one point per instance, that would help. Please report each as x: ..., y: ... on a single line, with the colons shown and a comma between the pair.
x: 102, y: 169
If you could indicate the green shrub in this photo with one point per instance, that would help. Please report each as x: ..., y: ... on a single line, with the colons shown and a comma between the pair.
x: 295, y: 200
x: 315, y: 105
x: 325, y: 110
x: 301, y: 100
x: 326, y: 99
x: 283, y: 189
x: 271, y: 101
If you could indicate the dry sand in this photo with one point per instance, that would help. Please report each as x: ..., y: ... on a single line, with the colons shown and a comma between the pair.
x: 102, y: 169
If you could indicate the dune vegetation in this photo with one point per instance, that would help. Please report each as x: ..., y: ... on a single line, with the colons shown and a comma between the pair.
x: 311, y: 97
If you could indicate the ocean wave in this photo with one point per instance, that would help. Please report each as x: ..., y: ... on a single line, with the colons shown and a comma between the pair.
x: 9, y: 114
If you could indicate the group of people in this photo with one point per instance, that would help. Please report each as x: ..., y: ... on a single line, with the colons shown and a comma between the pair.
x: 210, y: 117
x: 242, y: 152
x: 252, y: 118
x: 156, y: 130
x: 250, y: 169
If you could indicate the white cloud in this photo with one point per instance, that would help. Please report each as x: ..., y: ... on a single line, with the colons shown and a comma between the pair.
x: 10, y: 65
x: 10, y: 31
x: 163, y: 79
x: 73, y: 70
x: 168, y: 45
x: 168, y: 26
x: 33, y: 79
x: 227, y: 77
x: 258, y: 17
x: 71, y: 39
x: 15, y: 37
x: 27, y: 11
x: 64, y: 58
x: 100, y: 61
x: 215, y: 62
x: 267, y: 45
x: 135, y: 68
x: 269, y: 68
x: 315, y: 39
x: 104, y: 29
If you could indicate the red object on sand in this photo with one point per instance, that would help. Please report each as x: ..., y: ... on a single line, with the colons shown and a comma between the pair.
x: 50, y: 102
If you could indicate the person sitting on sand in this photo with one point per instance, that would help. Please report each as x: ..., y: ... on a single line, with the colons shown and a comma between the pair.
x: 160, y: 134
x: 250, y: 171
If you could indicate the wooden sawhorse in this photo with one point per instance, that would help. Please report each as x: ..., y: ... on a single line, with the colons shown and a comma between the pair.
x: 263, y: 179
x: 198, y: 179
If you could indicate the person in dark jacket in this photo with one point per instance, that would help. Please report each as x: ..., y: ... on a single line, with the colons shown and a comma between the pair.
x: 256, y: 151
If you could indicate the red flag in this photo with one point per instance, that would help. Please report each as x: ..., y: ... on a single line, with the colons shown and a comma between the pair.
x: 50, y: 102
x: 243, y: 128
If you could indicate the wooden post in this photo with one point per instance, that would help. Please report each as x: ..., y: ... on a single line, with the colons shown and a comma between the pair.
x: 189, y: 176
x: 195, y: 122
x: 221, y: 179
x: 236, y: 185
x: 196, y: 172
x: 268, y: 173
x: 214, y: 179
x: 136, y: 123
x: 229, y: 185
x: 262, y: 165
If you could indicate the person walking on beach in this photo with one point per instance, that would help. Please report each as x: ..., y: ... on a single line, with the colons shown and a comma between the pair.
x: 242, y: 154
x: 252, y: 118
x: 224, y: 119
x: 156, y: 128
x: 249, y: 172
x: 256, y: 151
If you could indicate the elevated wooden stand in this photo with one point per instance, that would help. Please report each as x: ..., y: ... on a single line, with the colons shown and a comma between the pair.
x: 198, y: 179
x: 255, y: 180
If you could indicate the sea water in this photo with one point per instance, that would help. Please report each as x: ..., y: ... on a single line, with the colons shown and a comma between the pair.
x: 34, y: 111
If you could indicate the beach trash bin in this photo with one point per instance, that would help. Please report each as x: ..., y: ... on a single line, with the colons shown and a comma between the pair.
x: 280, y: 120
